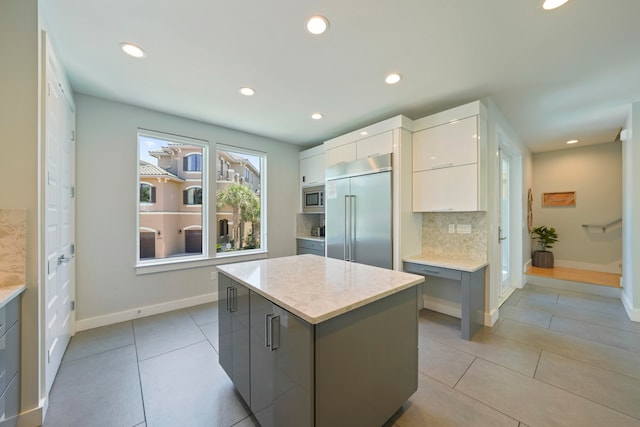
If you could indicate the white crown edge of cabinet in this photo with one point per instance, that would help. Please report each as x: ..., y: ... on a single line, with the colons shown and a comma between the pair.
x: 313, y: 151
x: 395, y: 122
x: 475, y: 108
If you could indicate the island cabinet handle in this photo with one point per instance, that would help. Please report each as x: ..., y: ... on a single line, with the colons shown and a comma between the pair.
x: 232, y: 299
x: 267, y: 330
x: 271, y: 331
x: 275, y: 332
x: 426, y: 270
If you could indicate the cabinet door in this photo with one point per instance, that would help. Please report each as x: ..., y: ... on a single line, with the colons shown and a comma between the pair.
x: 312, y: 170
x: 449, y: 189
x: 375, y: 145
x: 281, y: 366
x: 450, y: 144
x: 233, y: 331
x: 342, y: 154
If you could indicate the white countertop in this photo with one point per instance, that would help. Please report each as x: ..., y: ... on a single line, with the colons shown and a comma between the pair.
x: 455, y: 263
x: 7, y: 293
x: 314, y: 238
x: 316, y: 288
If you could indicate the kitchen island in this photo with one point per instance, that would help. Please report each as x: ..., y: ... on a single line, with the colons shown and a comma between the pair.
x: 315, y: 341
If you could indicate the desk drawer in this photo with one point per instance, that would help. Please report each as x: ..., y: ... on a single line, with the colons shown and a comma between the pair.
x: 430, y: 270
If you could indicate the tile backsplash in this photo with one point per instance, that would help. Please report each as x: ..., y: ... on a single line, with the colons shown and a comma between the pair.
x: 304, y: 222
x: 12, y: 246
x: 437, y: 240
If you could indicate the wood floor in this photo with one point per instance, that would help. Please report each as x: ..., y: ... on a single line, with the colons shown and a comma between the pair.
x: 575, y: 275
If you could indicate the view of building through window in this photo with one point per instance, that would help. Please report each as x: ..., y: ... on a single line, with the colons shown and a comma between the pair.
x: 238, y: 200
x: 172, y: 194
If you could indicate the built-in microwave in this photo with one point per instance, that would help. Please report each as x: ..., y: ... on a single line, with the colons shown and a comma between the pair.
x: 313, y: 199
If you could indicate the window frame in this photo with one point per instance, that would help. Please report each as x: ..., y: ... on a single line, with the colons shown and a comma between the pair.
x: 209, y: 256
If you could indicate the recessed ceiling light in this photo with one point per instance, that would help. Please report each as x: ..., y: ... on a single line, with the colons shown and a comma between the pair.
x: 572, y: 141
x: 247, y: 91
x: 316, y: 116
x: 133, y: 50
x: 317, y: 24
x: 553, y: 4
x: 393, y: 78
x: 364, y: 133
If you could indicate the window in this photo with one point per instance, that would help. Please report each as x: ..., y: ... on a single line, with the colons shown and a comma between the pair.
x: 147, y: 193
x: 192, y: 196
x: 240, y: 204
x: 192, y: 162
x: 178, y: 194
x: 172, y: 197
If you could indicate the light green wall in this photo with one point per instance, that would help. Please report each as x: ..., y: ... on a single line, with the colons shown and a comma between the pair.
x: 19, y: 44
x: 595, y: 173
x: 107, y: 284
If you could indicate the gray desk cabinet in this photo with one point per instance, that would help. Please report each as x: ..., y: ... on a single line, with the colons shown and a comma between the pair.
x: 10, y: 363
x: 472, y: 293
x: 233, y: 321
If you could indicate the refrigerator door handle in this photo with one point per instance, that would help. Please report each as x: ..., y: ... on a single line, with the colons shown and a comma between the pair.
x: 346, y: 218
x: 352, y: 232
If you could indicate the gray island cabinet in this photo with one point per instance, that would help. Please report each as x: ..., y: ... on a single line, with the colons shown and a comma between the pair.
x: 314, y: 341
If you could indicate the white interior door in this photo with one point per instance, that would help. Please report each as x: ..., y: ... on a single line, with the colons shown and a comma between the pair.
x: 59, y: 219
x: 505, y: 228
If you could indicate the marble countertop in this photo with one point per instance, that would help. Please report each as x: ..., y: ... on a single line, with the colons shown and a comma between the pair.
x: 7, y: 293
x: 455, y: 263
x: 315, y: 238
x: 317, y: 288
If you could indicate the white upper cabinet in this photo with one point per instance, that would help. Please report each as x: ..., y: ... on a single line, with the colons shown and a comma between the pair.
x: 375, y: 145
x: 370, y: 146
x: 341, y: 154
x: 312, y: 165
x: 447, y: 145
x: 449, y: 166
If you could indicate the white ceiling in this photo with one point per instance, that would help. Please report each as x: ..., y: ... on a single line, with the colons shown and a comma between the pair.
x: 566, y: 74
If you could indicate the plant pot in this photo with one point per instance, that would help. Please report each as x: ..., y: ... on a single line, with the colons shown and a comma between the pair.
x: 543, y: 259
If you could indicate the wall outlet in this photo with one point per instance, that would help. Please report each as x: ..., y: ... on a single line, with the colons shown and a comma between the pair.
x: 464, y: 228
x: 452, y: 228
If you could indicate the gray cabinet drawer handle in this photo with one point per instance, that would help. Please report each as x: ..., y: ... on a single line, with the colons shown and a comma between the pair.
x: 275, y: 332
x: 426, y: 270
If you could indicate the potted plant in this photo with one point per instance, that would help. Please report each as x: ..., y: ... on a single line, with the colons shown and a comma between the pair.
x: 546, y: 237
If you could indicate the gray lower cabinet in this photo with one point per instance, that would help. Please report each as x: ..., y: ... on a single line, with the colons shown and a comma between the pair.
x: 307, y: 246
x: 233, y: 321
x: 356, y: 369
x: 10, y: 363
x: 281, y: 366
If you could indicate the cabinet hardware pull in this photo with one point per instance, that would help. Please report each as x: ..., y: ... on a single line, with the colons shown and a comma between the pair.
x: 267, y: 330
x: 234, y: 300
x: 442, y: 165
x: 275, y: 332
x: 228, y: 300
x: 430, y: 271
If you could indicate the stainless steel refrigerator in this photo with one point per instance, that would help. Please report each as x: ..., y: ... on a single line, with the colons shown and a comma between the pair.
x: 358, y: 211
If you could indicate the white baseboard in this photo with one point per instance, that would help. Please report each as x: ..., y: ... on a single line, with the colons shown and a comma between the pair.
x: 34, y: 417
x: 632, y: 312
x: 490, y: 319
x: 442, y: 306
x: 149, y: 310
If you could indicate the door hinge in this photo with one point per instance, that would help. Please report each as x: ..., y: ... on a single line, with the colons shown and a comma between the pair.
x: 73, y: 135
x: 73, y: 305
x: 73, y: 249
x: 72, y: 191
x: 48, y: 356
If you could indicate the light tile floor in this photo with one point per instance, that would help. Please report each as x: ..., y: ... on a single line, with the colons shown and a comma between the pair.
x: 554, y: 358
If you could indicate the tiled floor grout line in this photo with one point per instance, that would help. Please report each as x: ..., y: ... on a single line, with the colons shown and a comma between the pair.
x: 135, y: 343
